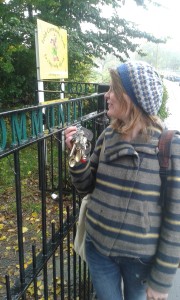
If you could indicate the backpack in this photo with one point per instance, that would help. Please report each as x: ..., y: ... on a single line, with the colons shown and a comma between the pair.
x: 164, y: 156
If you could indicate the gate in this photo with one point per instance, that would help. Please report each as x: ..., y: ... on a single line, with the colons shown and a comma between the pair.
x: 38, y: 205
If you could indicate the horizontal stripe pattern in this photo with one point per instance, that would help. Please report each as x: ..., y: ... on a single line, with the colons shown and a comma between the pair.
x: 124, y: 215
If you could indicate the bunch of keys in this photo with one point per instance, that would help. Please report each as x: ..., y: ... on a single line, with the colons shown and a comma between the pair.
x: 81, y: 146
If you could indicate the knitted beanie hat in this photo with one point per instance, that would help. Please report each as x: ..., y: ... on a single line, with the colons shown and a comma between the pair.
x: 143, y: 85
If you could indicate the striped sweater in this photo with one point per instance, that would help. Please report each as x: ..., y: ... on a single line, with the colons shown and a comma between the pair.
x: 124, y: 216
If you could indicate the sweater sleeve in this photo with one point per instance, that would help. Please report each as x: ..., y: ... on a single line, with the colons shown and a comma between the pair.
x: 83, y: 175
x: 168, y: 251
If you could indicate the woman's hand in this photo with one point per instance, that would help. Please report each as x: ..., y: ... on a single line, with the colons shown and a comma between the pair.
x: 68, y: 135
x: 154, y: 295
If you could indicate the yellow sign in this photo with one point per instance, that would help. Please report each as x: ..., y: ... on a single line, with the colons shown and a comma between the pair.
x: 52, y: 48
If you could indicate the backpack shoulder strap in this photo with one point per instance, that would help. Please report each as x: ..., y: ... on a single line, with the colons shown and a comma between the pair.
x: 164, y: 155
x: 164, y: 146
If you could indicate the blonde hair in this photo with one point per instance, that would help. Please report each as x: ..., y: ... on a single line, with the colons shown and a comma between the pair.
x: 136, y: 114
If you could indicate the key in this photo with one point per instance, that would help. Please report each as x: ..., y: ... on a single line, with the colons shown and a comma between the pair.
x: 78, y: 155
x: 72, y: 161
x: 72, y: 150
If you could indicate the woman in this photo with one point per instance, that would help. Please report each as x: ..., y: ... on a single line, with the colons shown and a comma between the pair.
x: 132, y: 244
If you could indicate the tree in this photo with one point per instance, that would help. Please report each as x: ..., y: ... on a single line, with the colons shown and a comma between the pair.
x: 164, y: 59
x: 17, y: 50
x: 17, y: 57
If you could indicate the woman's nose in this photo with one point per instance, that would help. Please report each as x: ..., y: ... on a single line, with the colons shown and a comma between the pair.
x: 106, y: 95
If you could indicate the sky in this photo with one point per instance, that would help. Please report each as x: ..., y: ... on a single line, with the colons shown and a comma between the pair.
x: 164, y: 21
x: 160, y: 21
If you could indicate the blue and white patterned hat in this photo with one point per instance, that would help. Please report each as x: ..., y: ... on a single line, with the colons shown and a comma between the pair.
x: 143, y: 85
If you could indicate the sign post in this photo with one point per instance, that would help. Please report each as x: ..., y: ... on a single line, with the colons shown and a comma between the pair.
x: 51, y: 55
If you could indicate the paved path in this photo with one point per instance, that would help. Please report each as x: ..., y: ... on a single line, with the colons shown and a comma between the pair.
x: 173, y: 104
x: 173, y: 122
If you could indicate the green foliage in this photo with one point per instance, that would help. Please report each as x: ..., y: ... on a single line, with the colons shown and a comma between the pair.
x: 17, y: 65
x: 163, y: 112
x: 28, y: 170
x: 85, y: 43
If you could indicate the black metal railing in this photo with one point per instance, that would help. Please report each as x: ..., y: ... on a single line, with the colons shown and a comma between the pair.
x: 39, y: 206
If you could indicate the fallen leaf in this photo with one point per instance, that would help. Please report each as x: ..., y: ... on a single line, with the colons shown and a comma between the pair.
x: 1, y: 226
x: 24, y: 229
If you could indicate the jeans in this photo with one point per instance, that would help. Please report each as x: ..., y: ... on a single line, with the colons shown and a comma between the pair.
x: 117, y: 278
